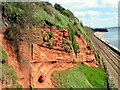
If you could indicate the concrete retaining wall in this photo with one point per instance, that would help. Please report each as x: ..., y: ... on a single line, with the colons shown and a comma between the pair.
x: 116, y: 50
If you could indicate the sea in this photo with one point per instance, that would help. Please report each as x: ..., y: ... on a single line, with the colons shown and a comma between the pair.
x: 113, y: 37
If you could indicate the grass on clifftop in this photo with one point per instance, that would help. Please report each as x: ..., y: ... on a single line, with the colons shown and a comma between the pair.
x: 80, y: 77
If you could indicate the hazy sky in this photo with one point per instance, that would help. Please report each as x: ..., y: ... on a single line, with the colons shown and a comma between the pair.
x: 94, y: 13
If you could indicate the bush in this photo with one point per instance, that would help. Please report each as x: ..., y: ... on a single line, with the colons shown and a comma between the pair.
x: 47, y: 38
x: 76, y: 48
x: 97, y: 58
x: 3, y: 56
x: 19, y: 86
x: 67, y: 45
x: 67, y: 13
x: 9, y: 74
x: 71, y: 33
x: 58, y: 7
x: 78, y: 33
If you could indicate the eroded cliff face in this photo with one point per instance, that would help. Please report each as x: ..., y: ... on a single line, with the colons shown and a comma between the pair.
x: 39, y: 59
x: 40, y: 38
x: 23, y: 69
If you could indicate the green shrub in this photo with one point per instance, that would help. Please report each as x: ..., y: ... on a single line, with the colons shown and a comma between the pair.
x: 97, y: 58
x: 67, y: 45
x: 68, y: 13
x: 3, y: 56
x: 67, y: 42
x: 19, y: 86
x: 47, y: 38
x: 8, y: 74
x: 71, y: 33
x: 50, y: 34
x: 58, y: 7
x: 77, y: 33
x: 76, y: 48
x: 87, y: 39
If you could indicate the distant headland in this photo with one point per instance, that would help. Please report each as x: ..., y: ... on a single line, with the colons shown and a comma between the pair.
x: 100, y: 30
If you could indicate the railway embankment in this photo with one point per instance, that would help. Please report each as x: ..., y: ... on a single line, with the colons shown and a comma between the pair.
x: 110, y: 57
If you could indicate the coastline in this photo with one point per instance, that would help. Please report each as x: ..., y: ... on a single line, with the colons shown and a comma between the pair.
x: 101, y: 36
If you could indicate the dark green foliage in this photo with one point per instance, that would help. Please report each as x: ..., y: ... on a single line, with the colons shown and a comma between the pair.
x: 50, y: 34
x: 11, y: 11
x: 13, y: 32
x: 19, y: 86
x: 97, y: 58
x: 19, y: 12
x: 47, y: 38
x: 58, y: 7
x: 43, y: 5
x: 22, y: 16
x: 30, y: 13
x: 76, y: 47
x: 71, y: 34
x: 87, y: 39
x: 80, y: 77
x: 88, y: 29
x: 3, y: 56
x: 67, y: 45
x: 8, y: 74
x: 63, y: 11
x: 68, y: 13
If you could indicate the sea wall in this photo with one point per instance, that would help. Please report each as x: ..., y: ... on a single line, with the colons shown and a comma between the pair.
x: 116, y: 50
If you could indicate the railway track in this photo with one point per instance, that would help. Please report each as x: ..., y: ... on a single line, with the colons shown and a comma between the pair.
x: 110, y: 58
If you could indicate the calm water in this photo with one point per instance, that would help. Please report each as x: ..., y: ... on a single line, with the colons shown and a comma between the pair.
x: 112, y: 37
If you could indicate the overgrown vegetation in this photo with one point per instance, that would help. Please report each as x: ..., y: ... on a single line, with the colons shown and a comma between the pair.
x: 47, y: 37
x: 3, y: 56
x: 88, y: 29
x: 22, y: 16
x: 97, y: 58
x: 80, y: 77
x: 67, y: 45
x: 58, y: 7
x: 95, y: 75
x: 9, y: 76
x: 72, y: 33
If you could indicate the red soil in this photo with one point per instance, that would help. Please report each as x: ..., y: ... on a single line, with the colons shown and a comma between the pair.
x: 43, y: 61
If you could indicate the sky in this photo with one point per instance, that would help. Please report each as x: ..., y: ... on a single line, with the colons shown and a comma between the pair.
x: 93, y: 13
